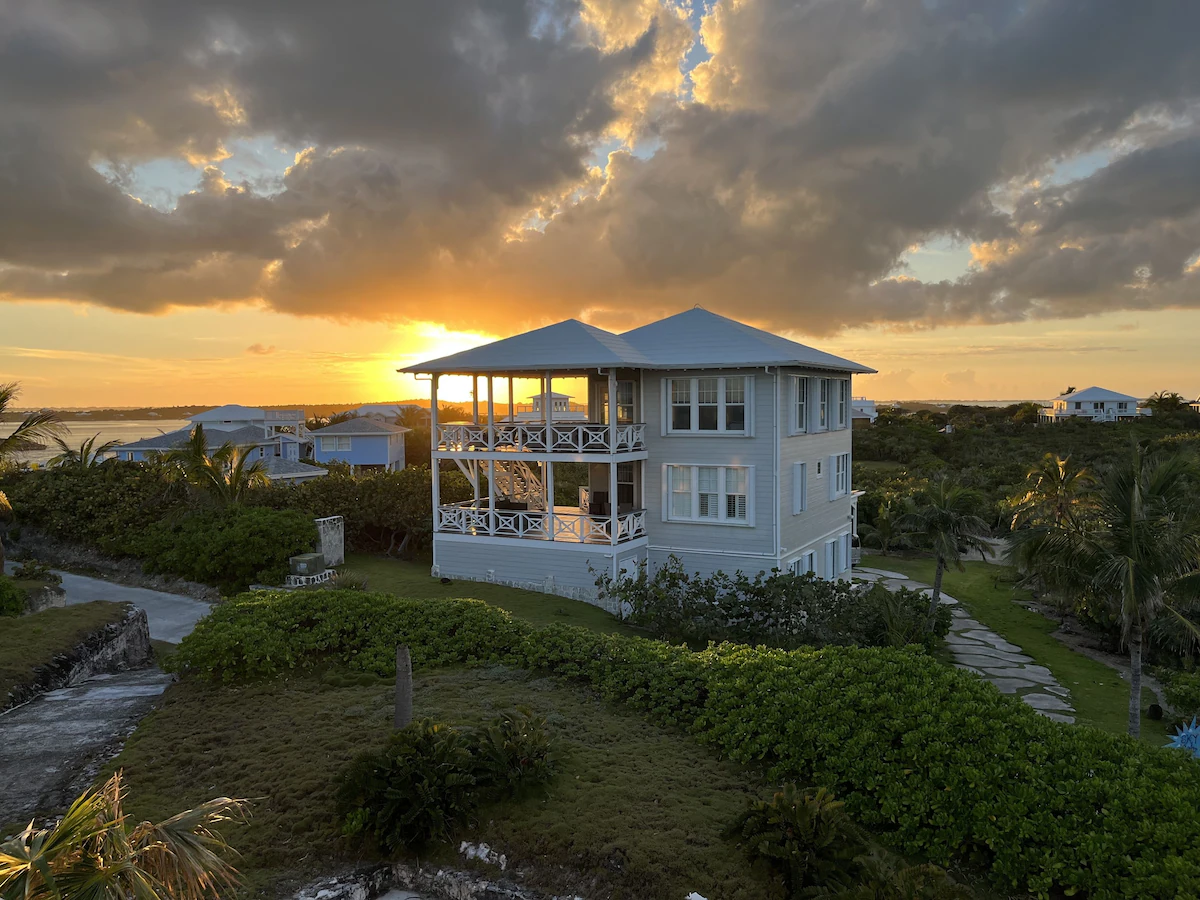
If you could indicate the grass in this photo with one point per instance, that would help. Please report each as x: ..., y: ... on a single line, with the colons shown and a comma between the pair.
x: 27, y: 642
x: 1098, y: 694
x: 636, y: 810
x: 407, y: 578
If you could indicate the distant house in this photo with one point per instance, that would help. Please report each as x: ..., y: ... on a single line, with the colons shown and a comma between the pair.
x: 275, y: 436
x: 364, y: 442
x: 562, y: 409
x: 1095, y: 404
x: 387, y: 412
x: 862, y: 412
x: 1195, y: 405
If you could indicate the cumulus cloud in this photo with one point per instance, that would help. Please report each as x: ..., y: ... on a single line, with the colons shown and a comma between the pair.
x: 493, y: 165
x: 261, y: 349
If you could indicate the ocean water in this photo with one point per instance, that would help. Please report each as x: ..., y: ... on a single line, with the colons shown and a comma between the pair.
x: 79, y: 431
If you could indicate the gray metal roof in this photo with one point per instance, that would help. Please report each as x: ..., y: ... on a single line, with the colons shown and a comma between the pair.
x: 246, y: 436
x: 565, y: 345
x: 695, y: 339
x: 1096, y: 394
x: 278, y: 467
x: 359, y: 425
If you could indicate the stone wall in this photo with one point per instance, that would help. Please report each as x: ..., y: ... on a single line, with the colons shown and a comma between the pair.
x: 331, y: 539
x: 114, y: 648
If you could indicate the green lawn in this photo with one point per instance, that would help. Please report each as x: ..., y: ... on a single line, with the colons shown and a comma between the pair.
x: 636, y: 810
x: 406, y: 578
x: 27, y: 642
x: 1098, y: 694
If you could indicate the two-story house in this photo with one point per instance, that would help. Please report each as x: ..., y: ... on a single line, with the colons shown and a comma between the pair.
x: 362, y: 442
x: 1095, y: 404
x: 721, y: 444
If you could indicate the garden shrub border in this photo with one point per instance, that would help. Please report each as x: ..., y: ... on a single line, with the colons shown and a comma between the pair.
x: 934, y: 759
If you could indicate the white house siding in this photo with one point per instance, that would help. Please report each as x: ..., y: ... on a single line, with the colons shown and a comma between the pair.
x: 708, y: 547
x: 553, y: 568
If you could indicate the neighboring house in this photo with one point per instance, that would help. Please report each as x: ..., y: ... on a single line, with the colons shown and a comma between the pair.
x: 862, y: 412
x: 723, y: 445
x: 563, y: 409
x: 1093, y: 403
x: 387, y: 412
x: 1195, y: 405
x: 362, y: 442
x: 275, y: 436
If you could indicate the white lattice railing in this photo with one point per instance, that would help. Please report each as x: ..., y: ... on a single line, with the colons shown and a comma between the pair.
x: 568, y: 525
x: 538, y: 437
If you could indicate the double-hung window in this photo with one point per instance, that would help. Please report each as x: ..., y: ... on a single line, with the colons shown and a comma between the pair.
x: 839, y: 485
x: 719, y: 494
x: 823, y: 408
x: 709, y: 405
x: 799, y: 404
x: 843, y: 403
x: 333, y: 444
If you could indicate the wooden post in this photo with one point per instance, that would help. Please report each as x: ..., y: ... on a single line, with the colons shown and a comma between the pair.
x: 475, y: 399
x: 512, y: 408
x: 404, y: 707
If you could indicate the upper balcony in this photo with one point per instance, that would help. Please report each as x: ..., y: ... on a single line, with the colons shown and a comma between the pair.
x: 540, y: 437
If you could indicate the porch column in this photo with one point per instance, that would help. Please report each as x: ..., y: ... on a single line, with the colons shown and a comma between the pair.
x: 491, y: 409
x: 548, y: 411
x: 512, y: 403
x: 433, y: 450
x: 491, y: 496
x: 612, y: 448
x: 548, y: 486
x: 475, y: 399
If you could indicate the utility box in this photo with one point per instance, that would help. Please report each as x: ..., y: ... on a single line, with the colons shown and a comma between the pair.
x: 308, y: 564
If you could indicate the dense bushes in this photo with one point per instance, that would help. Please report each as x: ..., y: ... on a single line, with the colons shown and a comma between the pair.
x: 935, y: 757
x: 12, y: 597
x: 1182, y: 690
x: 429, y: 779
x: 777, y: 609
x: 231, y: 548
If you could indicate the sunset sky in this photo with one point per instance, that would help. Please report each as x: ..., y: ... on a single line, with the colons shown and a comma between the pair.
x: 282, y: 202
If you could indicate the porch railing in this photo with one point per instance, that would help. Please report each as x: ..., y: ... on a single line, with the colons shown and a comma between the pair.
x: 566, y: 525
x: 538, y: 437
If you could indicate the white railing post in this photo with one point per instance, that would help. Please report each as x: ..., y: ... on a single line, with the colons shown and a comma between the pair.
x: 433, y: 442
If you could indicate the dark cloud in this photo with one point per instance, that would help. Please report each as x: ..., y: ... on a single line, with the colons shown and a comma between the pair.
x: 817, y: 144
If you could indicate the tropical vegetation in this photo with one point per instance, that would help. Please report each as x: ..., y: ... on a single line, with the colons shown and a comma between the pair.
x: 33, y: 429
x: 95, y: 852
x: 86, y: 456
x: 933, y: 758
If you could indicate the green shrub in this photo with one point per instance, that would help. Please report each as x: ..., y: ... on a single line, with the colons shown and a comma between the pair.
x: 231, y: 548
x: 12, y: 598
x: 429, y: 779
x: 777, y: 609
x: 32, y: 570
x: 1182, y: 691
x: 936, y: 759
x: 806, y: 838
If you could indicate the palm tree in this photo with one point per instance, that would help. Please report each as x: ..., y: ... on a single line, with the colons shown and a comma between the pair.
x: 1054, y: 490
x: 1137, y: 549
x: 86, y: 457
x: 93, y: 853
x: 6, y: 519
x: 33, y: 429
x: 944, y: 514
x: 226, y: 475
x: 887, y: 531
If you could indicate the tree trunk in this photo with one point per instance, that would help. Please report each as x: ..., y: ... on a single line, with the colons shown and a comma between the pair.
x: 936, y: 593
x: 2, y: 555
x: 1135, y: 679
x: 403, y: 688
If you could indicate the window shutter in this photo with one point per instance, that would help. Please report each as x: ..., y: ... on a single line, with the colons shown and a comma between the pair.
x: 832, y: 478
x: 666, y: 491
x: 799, y: 487
x: 751, y: 403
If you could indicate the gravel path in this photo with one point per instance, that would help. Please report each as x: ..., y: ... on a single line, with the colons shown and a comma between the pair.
x: 985, y: 653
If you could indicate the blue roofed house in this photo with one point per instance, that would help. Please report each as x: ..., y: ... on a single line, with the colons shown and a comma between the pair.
x: 363, y: 442
x: 705, y: 439
x: 277, y: 437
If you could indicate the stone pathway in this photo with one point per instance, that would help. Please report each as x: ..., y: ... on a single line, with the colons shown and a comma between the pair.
x: 985, y: 653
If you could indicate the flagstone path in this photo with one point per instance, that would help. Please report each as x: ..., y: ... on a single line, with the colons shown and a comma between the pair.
x: 985, y: 653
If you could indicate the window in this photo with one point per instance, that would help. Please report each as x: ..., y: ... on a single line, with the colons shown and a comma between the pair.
x: 624, y: 402
x: 1097, y: 406
x: 805, y: 563
x: 1078, y: 404
x: 681, y: 404
x: 333, y: 444
x: 839, y: 484
x: 799, y: 488
x: 799, y: 404
x: 832, y: 564
x: 823, y: 407
x: 625, y: 486
x: 709, y: 494
x: 843, y: 420
x: 709, y: 405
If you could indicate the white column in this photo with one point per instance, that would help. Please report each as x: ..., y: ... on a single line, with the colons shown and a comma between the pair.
x: 433, y: 449
x: 475, y: 399
x: 491, y: 411
x: 548, y: 410
x: 491, y: 496
x: 512, y: 403
x: 548, y: 487
x: 612, y: 446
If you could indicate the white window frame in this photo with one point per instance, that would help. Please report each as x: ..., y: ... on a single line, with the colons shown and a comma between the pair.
x: 824, y: 403
x: 799, y: 488
x: 839, y: 479
x: 804, y: 563
x: 800, y: 416
x: 695, y: 518
x: 694, y: 402
x: 340, y: 442
x: 843, y: 403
